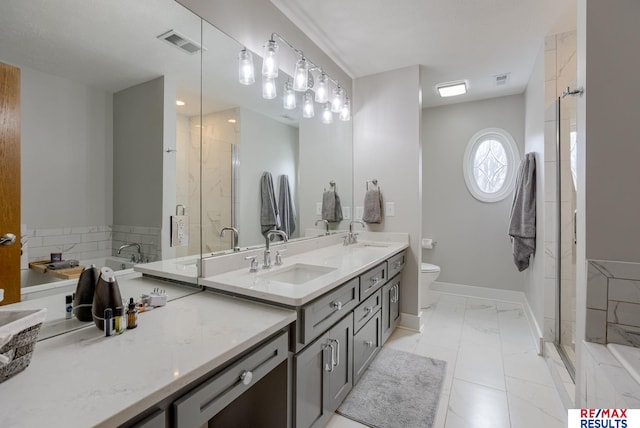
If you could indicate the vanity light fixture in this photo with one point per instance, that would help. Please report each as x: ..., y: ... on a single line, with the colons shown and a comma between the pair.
x: 327, y: 116
x: 452, y: 89
x: 289, y: 99
x: 246, y: 74
x: 308, y: 110
x: 180, y: 103
x: 270, y: 59
x: 303, y: 81
x: 345, y: 112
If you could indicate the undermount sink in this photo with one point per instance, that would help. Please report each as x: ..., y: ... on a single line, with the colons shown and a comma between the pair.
x: 298, y: 273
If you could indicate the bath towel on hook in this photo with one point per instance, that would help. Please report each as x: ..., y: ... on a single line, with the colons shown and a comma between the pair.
x: 286, y: 209
x: 269, y: 218
x: 522, y: 222
x: 331, y: 206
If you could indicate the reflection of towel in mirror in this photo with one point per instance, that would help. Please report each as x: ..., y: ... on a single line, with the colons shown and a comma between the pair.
x: 285, y: 207
x: 331, y: 207
x: 269, y: 218
x: 522, y: 222
x: 372, y: 206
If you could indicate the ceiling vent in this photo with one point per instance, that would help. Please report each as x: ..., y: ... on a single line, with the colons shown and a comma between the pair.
x: 179, y: 41
x: 502, y: 79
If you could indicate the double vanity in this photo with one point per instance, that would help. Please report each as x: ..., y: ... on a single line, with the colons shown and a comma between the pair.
x: 274, y: 347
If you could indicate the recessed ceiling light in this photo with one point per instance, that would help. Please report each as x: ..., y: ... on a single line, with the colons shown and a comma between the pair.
x: 451, y: 89
x: 179, y: 103
x: 231, y: 121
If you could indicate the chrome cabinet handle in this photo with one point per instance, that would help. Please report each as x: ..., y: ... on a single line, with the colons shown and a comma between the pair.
x: 7, y: 239
x: 374, y: 280
x: 337, y: 361
x: 368, y: 310
x: 246, y: 377
x: 336, y: 305
x: 329, y: 366
x: 369, y: 343
x: 397, y: 264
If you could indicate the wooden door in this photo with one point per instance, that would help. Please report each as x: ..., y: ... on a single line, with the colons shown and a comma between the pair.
x: 10, y: 181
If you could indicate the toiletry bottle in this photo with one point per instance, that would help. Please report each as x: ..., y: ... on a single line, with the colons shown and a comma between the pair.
x: 107, y: 295
x: 68, y: 300
x: 132, y: 315
x: 108, y: 321
x: 119, y: 320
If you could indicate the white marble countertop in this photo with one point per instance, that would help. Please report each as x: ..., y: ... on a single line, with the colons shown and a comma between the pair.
x: 183, y: 269
x: 85, y: 379
x: 346, y: 262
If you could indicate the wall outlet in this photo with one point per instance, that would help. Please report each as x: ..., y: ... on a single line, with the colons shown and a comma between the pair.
x: 390, y: 209
x: 359, y: 213
x: 179, y: 230
x: 318, y: 208
x: 346, y: 213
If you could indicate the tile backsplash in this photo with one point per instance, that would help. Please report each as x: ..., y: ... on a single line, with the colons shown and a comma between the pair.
x: 613, y: 302
x: 75, y: 243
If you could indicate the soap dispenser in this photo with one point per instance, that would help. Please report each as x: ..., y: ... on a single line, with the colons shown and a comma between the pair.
x: 84, y: 293
x: 107, y: 295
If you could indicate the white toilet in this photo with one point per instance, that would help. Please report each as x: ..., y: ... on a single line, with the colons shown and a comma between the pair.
x: 428, y: 274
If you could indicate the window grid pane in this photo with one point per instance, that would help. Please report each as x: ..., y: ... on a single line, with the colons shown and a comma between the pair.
x: 490, y: 166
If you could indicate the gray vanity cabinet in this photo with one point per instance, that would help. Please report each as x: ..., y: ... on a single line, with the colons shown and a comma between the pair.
x: 390, y: 306
x: 323, y: 375
x: 366, y: 344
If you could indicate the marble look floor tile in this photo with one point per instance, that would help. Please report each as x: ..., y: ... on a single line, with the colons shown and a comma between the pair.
x: 441, y: 417
x: 440, y: 353
x: 481, y: 365
x: 527, y: 366
x: 476, y: 406
x: 403, y: 340
x: 479, y: 333
x: 338, y: 421
x: 533, y: 405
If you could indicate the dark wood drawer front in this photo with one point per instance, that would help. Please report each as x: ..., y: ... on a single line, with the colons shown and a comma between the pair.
x: 371, y: 280
x: 366, y: 310
x: 396, y: 263
x: 318, y: 316
x: 366, y: 344
x: 204, y: 402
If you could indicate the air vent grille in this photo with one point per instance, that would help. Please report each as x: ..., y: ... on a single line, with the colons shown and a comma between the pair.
x: 180, y: 41
x: 502, y: 79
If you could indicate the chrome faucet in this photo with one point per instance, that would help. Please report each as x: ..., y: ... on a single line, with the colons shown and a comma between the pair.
x: 352, y: 238
x: 267, y: 252
x: 326, y: 225
x: 135, y: 258
x: 234, y: 241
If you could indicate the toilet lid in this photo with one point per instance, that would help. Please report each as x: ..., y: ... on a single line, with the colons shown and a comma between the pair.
x: 428, y: 267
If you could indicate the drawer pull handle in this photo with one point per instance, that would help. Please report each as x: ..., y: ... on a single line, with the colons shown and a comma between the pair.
x: 397, y: 264
x: 336, y: 305
x: 374, y: 280
x: 368, y: 310
x: 337, y: 352
x: 246, y: 377
x: 329, y: 366
x: 369, y: 343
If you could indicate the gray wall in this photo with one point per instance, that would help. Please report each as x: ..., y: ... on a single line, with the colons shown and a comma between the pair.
x: 386, y: 146
x: 138, y: 134
x: 473, y: 245
x: 67, y: 159
x: 265, y: 145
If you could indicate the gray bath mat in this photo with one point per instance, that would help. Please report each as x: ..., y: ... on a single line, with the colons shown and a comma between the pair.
x: 399, y: 389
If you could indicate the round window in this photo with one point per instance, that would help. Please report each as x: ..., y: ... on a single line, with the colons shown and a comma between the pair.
x: 490, y: 163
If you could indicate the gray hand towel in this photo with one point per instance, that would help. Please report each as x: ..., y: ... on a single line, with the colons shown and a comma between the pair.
x: 522, y: 221
x: 331, y: 207
x: 286, y: 208
x: 269, y: 219
x: 372, y: 206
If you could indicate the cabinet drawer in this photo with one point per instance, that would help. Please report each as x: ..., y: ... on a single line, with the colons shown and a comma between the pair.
x: 371, y: 280
x: 366, y: 344
x: 198, y: 406
x: 317, y: 316
x: 366, y: 310
x: 396, y: 263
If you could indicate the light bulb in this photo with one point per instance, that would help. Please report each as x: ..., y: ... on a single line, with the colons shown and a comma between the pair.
x: 301, y: 75
x: 268, y: 88
x: 246, y: 74
x: 337, y: 99
x: 308, y: 109
x: 327, y: 116
x: 289, y: 99
x: 270, y: 60
x: 345, y: 113
x: 322, y: 89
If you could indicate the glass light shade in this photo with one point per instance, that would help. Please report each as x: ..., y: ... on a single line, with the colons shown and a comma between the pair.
x: 308, y: 110
x: 452, y: 90
x: 246, y: 74
x: 268, y: 88
x: 337, y: 99
x: 289, y: 99
x: 322, y: 89
x: 301, y: 75
x: 327, y: 116
x: 345, y: 113
x: 270, y: 59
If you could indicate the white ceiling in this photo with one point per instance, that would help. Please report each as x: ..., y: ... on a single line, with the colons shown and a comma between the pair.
x: 472, y: 40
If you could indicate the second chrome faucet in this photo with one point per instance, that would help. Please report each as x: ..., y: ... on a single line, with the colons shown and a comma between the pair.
x: 267, y: 252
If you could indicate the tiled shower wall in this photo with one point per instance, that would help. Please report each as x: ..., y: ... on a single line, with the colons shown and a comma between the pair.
x: 149, y: 239
x: 613, y: 302
x: 75, y: 243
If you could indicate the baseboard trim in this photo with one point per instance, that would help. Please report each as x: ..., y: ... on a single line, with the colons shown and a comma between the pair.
x: 495, y: 294
x: 411, y: 322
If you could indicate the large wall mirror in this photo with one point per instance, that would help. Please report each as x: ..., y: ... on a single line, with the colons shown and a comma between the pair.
x: 132, y: 113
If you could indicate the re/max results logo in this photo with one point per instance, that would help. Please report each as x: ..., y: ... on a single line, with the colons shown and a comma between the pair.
x: 603, y: 418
